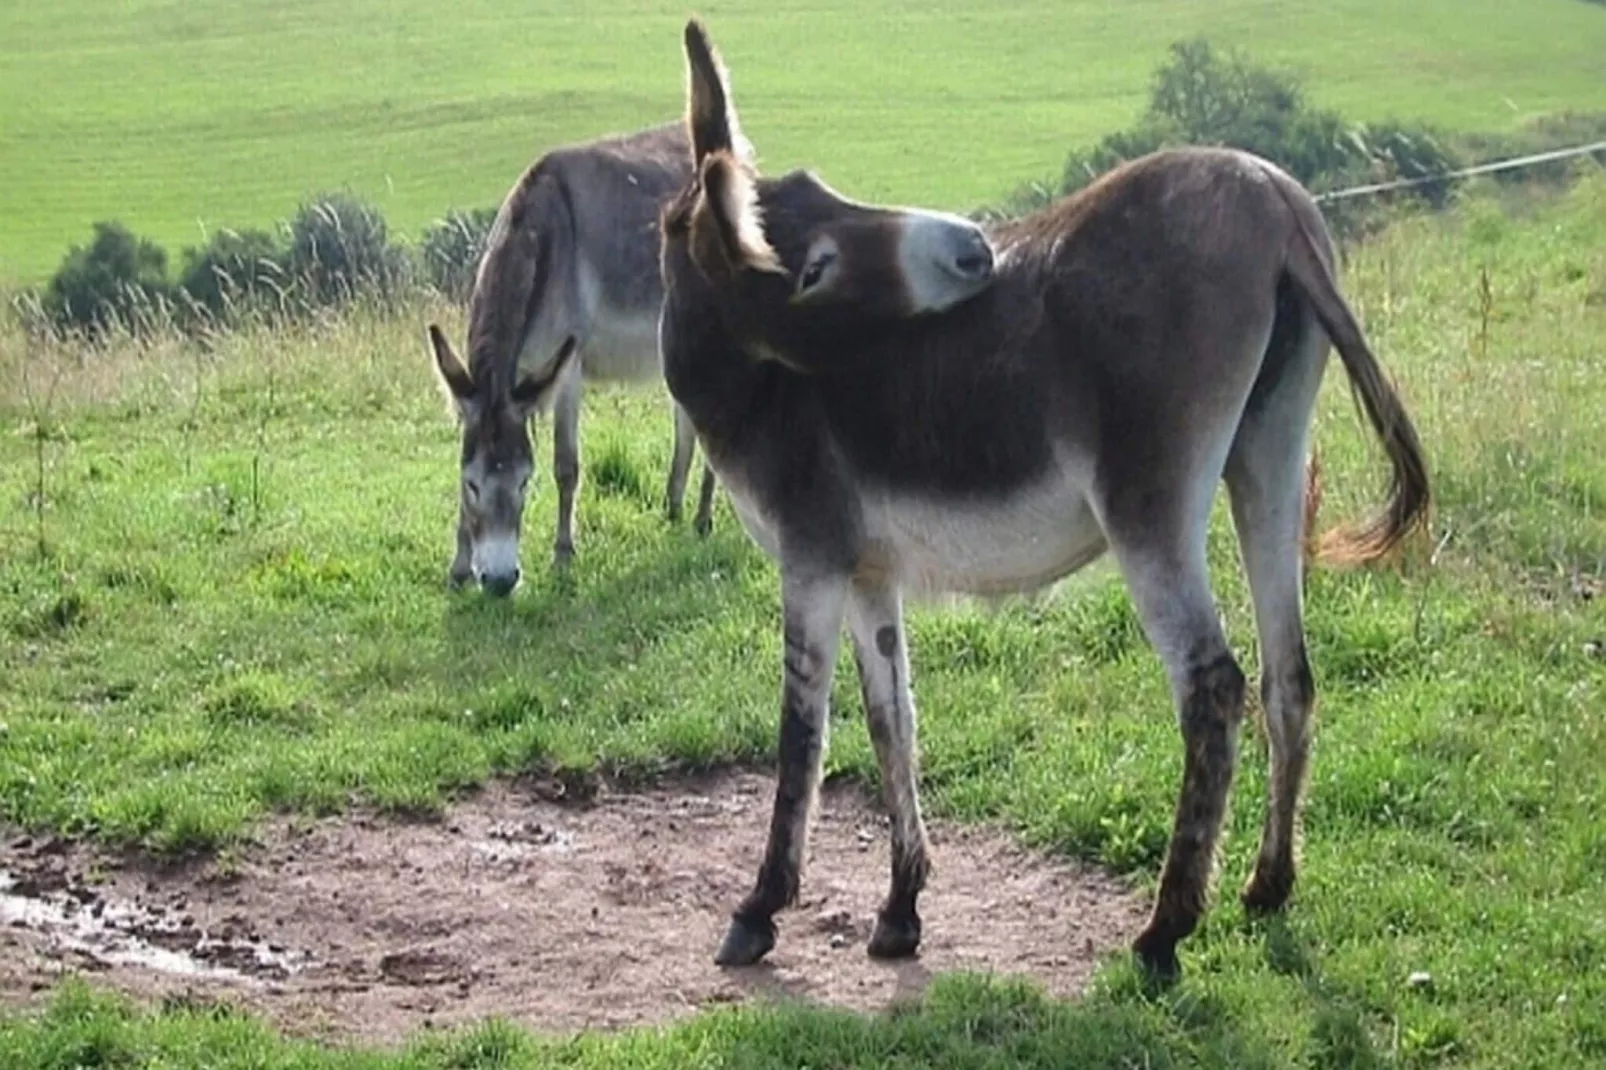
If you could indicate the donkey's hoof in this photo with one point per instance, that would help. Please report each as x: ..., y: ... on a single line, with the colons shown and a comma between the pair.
x: 745, y: 943
x: 1157, y: 957
x: 894, y: 938
x: 703, y: 525
x: 1267, y: 894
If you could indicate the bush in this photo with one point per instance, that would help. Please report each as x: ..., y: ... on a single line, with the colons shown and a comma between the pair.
x: 1550, y: 132
x: 452, y: 247
x: 1394, y: 150
x: 340, y: 247
x: 1204, y: 96
x: 235, y: 271
x: 1083, y: 166
x: 118, y: 279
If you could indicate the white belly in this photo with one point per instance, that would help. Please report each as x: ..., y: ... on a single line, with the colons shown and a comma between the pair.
x: 1013, y: 545
x: 621, y: 347
x: 931, y: 547
x: 620, y: 344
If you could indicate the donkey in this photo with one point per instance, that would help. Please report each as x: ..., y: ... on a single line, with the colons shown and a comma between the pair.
x: 568, y: 289
x: 898, y: 401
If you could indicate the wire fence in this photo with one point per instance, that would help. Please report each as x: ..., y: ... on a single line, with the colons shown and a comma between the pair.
x: 1511, y: 164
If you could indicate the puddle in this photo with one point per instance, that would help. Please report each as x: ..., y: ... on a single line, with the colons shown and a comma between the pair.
x: 76, y: 918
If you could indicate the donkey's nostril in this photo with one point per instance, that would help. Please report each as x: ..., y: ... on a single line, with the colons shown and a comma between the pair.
x: 973, y: 263
x: 501, y: 583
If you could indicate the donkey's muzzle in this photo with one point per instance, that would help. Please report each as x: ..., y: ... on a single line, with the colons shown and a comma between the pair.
x: 499, y: 584
x: 944, y: 259
x: 973, y: 259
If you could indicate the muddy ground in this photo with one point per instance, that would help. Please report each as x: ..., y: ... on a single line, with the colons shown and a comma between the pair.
x: 558, y: 914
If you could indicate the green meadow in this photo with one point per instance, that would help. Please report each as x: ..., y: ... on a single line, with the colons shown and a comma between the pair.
x: 222, y: 567
x: 228, y: 600
x: 178, y: 118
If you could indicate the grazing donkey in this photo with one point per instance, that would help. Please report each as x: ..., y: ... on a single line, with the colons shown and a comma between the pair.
x: 897, y: 401
x: 570, y: 270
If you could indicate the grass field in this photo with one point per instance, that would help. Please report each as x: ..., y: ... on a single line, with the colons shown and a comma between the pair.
x: 178, y: 118
x: 239, y: 607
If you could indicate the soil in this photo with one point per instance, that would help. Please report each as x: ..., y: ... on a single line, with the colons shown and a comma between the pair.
x: 558, y: 914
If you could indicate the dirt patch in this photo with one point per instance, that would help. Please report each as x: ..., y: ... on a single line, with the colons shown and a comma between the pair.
x: 559, y: 915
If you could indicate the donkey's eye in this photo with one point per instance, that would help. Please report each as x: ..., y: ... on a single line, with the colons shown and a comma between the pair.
x: 814, y: 271
x: 473, y: 490
x: 524, y: 484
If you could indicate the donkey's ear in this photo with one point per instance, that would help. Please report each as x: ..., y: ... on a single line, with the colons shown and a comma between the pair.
x: 453, y: 375
x: 728, y: 216
x: 531, y: 391
x: 710, y: 114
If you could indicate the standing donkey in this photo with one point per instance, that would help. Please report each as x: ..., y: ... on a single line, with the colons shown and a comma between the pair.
x: 568, y: 289
x: 897, y: 401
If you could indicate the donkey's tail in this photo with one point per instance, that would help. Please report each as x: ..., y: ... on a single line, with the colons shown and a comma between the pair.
x: 1409, y: 495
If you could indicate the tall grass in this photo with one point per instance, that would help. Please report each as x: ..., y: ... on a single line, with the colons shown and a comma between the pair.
x: 242, y: 609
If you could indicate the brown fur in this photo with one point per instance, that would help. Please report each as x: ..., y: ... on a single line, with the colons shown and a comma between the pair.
x: 896, y: 425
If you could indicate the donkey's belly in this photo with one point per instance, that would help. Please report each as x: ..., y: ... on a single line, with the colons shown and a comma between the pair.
x: 1010, y: 545
x: 622, y: 347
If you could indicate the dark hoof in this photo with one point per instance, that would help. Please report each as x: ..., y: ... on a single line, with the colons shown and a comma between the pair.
x: 1157, y: 957
x: 895, y: 938
x: 703, y: 525
x: 1266, y: 895
x: 745, y: 943
x: 562, y: 556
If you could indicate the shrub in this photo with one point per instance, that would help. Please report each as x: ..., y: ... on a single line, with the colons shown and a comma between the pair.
x: 1201, y: 96
x: 1394, y: 150
x: 1205, y: 96
x: 1542, y: 135
x: 236, y: 270
x: 117, y: 279
x: 340, y: 247
x: 1083, y: 166
x: 1024, y: 199
x: 451, y: 249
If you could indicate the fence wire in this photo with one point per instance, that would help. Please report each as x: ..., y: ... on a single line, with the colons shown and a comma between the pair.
x: 1511, y: 164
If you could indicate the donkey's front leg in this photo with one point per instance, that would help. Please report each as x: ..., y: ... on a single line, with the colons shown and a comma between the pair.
x: 875, y: 618
x: 462, y: 566
x: 566, y: 459
x: 812, y: 609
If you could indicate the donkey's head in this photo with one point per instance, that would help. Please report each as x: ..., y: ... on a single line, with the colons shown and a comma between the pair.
x: 789, y: 262
x: 497, y: 463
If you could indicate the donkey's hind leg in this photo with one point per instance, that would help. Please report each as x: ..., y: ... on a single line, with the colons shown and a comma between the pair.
x: 1265, y: 481
x: 1164, y: 567
x: 680, y: 468
x: 679, y: 462
x: 703, y: 523
x: 875, y: 619
x: 811, y: 607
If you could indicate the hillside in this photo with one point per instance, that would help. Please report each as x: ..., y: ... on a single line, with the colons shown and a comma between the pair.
x: 177, y: 118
